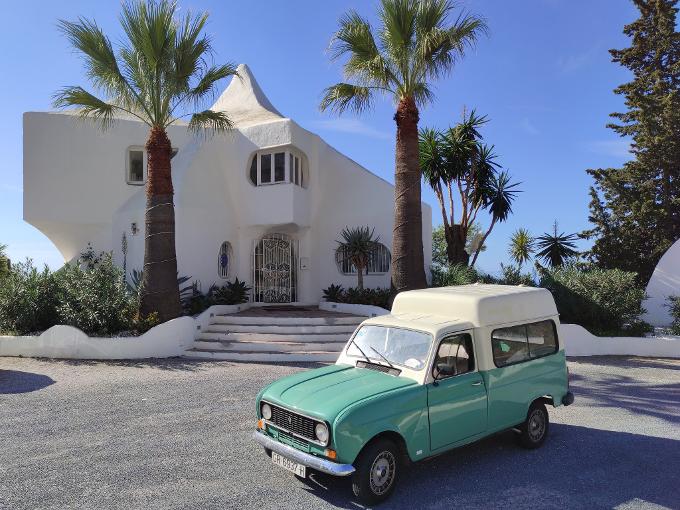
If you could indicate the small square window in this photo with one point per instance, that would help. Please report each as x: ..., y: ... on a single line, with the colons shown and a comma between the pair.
x: 279, y: 167
x: 266, y: 168
x: 135, y: 166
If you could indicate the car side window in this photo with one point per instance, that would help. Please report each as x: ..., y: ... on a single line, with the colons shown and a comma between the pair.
x: 524, y: 342
x: 455, y: 356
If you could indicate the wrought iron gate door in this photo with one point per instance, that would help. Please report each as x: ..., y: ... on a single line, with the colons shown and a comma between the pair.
x: 275, y: 269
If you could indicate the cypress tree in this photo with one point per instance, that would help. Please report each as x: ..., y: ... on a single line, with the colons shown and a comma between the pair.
x: 635, y: 210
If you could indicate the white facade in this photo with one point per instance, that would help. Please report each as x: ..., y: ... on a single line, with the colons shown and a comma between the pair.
x: 280, y: 235
x: 665, y: 281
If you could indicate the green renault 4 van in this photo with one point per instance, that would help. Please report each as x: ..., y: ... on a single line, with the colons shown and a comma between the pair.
x: 448, y: 366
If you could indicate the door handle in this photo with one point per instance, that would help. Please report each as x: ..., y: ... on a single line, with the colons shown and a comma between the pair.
x: 477, y: 383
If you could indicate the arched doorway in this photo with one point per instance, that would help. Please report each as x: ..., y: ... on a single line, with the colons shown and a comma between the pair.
x: 275, y: 269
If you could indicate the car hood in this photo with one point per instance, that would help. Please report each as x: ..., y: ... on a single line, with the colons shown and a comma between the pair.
x: 324, y: 392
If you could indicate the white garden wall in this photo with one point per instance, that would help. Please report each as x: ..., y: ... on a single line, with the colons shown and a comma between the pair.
x: 166, y: 340
x: 578, y: 341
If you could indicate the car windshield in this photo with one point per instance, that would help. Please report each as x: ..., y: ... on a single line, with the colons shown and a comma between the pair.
x: 404, y: 347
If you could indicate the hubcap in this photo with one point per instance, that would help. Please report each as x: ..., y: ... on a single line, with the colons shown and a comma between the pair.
x: 382, y: 472
x: 536, y: 426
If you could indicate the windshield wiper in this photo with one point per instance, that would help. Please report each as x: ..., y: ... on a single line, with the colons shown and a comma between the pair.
x: 381, y: 355
x: 368, y: 360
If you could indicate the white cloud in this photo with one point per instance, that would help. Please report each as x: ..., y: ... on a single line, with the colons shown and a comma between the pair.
x: 573, y: 63
x: 529, y: 127
x: 352, y: 126
x: 614, y: 148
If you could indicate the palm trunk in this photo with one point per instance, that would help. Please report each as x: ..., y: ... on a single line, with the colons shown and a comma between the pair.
x: 160, y: 292
x: 455, y: 246
x: 408, y: 263
x: 360, y: 278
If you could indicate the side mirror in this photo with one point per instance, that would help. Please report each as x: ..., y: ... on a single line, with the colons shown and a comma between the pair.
x: 443, y: 370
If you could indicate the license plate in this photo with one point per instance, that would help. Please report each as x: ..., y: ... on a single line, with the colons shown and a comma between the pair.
x: 288, y: 464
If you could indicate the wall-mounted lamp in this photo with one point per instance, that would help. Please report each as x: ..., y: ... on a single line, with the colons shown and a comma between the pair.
x: 133, y: 228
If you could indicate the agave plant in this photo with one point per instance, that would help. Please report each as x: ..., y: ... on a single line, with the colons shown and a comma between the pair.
x: 357, y: 247
x: 556, y: 248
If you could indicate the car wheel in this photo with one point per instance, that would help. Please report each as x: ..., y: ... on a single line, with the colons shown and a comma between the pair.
x: 377, y: 469
x: 534, y: 430
x: 268, y: 452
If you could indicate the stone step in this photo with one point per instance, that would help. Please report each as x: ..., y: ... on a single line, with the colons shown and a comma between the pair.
x: 286, y: 329
x: 286, y: 321
x: 264, y: 356
x: 210, y: 334
x: 213, y: 345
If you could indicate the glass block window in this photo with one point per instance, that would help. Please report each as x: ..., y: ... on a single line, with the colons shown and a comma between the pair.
x: 224, y: 260
x: 136, y: 170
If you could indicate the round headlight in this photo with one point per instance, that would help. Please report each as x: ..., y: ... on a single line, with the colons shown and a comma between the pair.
x: 321, y: 432
x: 266, y: 412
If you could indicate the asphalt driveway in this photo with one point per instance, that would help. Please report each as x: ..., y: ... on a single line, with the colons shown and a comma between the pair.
x: 176, y: 434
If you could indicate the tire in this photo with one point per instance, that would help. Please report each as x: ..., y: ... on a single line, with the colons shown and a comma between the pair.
x: 534, y: 430
x: 268, y: 452
x: 377, y: 470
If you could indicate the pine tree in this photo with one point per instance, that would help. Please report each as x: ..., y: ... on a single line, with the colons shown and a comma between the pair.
x: 635, y: 210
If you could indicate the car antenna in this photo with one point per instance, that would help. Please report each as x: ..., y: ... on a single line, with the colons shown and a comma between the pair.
x: 381, y: 355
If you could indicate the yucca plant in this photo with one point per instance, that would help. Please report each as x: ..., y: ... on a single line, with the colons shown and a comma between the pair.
x: 356, y: 247
x: 556, y: 248
x: 158, y: 75
x: 415, y: 44
x: 522, y: 246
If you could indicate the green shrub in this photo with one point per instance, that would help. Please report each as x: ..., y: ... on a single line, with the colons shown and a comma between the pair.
x: 28, y: 299
x: 443, y: 276
x: 607, y: 302
x: 231, y: 293
x: 356, y: 296
x: 94, y: 297
x: 511, y: 275
x: 674, y: 308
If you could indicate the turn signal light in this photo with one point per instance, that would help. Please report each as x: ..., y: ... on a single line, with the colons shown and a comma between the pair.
x: 331, y: 454
x: 260, y: 424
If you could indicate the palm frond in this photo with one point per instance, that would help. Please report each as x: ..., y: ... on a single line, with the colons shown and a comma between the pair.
x: 398, y: 20
x: 88, y: 105
x: 209, y: 119
x: 501, y: 195
x: 432, y: 162
x: 206, y: 84
x: 345, y: 96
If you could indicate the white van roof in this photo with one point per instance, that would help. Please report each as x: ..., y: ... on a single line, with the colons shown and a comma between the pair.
x: 479, y: 304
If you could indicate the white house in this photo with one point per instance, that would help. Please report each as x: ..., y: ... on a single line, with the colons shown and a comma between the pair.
x: 264, y: 203
x: 665, y: 282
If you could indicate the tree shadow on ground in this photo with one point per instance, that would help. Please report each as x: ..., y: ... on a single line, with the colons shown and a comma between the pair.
x: 578, y: 467
x: 623, y: 392
x: 168, y: 364
x: 627, y: 361
x: 15, y: 381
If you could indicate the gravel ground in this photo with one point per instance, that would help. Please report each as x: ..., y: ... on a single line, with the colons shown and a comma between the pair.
x: 176, y: 434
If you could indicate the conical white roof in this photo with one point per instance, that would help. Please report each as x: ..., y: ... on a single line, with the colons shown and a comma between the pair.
x: 244, y: 102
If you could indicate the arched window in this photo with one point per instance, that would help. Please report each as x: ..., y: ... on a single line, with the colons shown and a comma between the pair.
x: 278, y: 166
x: 224, y: 260
x: 378, y: 263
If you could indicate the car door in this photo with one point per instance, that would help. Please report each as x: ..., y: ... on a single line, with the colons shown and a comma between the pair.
x: 457, y: 400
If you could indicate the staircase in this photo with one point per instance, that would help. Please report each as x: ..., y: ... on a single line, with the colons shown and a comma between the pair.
x: 275, y: 336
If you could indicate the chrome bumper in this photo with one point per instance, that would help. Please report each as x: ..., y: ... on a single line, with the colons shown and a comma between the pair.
x: 306, y: 459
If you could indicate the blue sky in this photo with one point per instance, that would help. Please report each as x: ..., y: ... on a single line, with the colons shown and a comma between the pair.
x: 543, y: 76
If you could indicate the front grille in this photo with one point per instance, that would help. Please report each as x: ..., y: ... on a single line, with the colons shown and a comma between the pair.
x: 294, y: 442
x: 300, y: 425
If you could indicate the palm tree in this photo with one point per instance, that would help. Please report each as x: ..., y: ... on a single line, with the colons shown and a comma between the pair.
x: 522, y: 246
x: 415, y: 44
x: 357, y: 247
x: 158, y: 76
x: 556, y: 248
x: 457, y: 162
